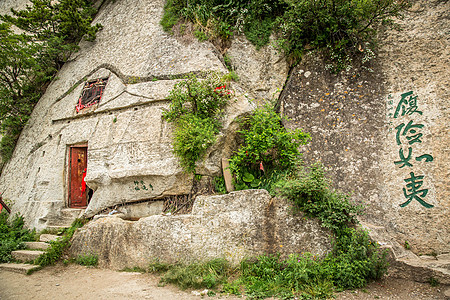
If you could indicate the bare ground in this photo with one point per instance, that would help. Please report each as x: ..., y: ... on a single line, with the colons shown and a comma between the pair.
x: 77, y: 282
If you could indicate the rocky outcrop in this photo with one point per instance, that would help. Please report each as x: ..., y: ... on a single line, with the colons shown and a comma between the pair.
x: 232, y: 226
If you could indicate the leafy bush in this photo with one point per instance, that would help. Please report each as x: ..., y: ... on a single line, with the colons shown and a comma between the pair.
x: 30, y: 60
x: 57, y: 248
x: 198, y: 275
x: 355, y: 260
x: 12, y: 235
x: 219, y: 185
x: 267, y: 148
x: 196, y: 108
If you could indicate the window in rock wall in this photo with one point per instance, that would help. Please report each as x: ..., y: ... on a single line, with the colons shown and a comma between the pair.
x: 92, y: 93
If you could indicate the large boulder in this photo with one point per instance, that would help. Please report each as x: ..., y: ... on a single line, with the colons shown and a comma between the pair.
x: 233, y: 226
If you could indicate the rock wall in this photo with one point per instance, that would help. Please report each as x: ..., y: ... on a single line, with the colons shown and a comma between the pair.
x: 129, y: 145
x: 383, y: 135
x: 232, y: 226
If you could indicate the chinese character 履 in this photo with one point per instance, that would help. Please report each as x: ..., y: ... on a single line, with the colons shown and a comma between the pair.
x: 407, y: 105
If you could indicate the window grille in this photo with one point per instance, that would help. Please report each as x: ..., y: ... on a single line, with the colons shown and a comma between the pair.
x: 92, y: 93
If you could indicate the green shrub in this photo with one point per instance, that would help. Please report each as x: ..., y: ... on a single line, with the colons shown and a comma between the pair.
x: 267, y: 149
x: 311, y: 192
x: 196, y: 109
x: 12, y: 235
x: 87, y: 260
x: 355, y: 260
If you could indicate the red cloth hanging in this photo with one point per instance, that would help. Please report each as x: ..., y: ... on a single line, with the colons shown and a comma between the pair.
x: 83, y: 183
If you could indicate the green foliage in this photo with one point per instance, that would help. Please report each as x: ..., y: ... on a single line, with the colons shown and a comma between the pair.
x: 298, y: 275
x: 434, y: 282
x: 158, y: 267
x: 193, y: 136
x: 354, y: 261
x: 198, y: 275
x: 196, y: 108
x: 30, y: 60
x: 219, y: 185
x: 87, y: 260
x: 12, y: 235
x: 231, y: 76
x: 311, y: 192
x: 57, y: 248
x: 340, y: 29
x: 267, y: 149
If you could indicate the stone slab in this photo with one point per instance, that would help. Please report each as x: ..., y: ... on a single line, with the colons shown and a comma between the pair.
x: 48, y: 237
x: 37, y: 245
x: 26, y: 255
x: 19, y: 268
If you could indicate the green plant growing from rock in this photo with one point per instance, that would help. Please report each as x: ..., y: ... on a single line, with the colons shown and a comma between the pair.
x: 196, y: 110
x: 267, y: 149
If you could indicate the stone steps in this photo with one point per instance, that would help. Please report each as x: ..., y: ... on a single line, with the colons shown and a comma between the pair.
x: 58, y: 227
x: 65, y: 218
x: 19, y: 268
x: 37, y: 245
x: 34, y: 250
x: 26, y: 255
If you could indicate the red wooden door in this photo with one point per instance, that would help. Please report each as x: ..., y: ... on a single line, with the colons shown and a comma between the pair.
x: 78, y: 167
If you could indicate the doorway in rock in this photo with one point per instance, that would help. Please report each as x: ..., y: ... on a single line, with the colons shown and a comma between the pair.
x: 79, y: 193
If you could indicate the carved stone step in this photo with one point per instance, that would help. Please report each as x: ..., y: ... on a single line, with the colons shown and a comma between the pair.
x: 48, y: 237
x: 26, y: 255
x: 19, y: 268
x: 37, y: 245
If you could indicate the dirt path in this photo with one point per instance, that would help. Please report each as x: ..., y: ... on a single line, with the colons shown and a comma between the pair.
x: 77, y: 282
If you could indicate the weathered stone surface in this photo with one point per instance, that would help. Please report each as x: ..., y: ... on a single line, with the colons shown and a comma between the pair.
x: 140, y: 210
x: 232, y: 226
x: 48, y: 237
x: 352, y: 121
x: 262, y: 72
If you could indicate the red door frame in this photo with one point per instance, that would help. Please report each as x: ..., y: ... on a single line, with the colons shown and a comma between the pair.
x: 77, y: 172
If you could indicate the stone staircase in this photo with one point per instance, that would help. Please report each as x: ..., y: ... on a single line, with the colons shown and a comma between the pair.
x: 65, y: 218
x: 33, y: 251
x: 404, y: 263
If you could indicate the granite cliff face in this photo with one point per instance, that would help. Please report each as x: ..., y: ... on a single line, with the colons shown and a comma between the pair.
x: 383, y: 135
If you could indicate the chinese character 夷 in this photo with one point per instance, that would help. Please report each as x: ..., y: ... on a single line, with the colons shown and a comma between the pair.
x: 413, y: 192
